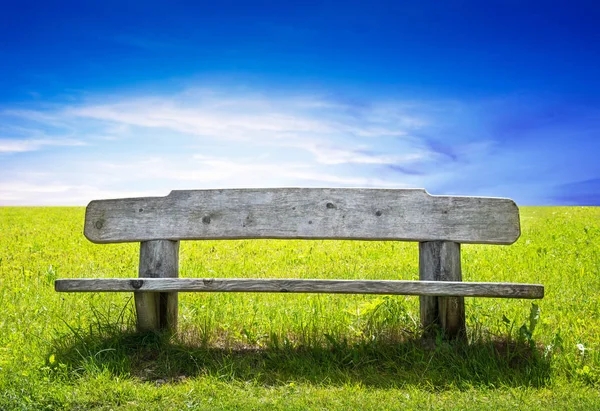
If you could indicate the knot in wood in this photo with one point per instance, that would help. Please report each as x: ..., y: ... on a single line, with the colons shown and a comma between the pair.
x: 206, y: 219
x: 99, y: 224
x: 137, y: 284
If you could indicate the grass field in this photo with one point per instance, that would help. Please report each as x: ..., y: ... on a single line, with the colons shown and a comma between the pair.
x: 297, y: 351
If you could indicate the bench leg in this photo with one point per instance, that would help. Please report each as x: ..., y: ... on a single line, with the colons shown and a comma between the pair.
x: 440, y: 261
x: 157, y: 311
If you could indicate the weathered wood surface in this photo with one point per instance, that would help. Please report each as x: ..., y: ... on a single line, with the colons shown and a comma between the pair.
x: 155, y: 311
x: 440, y: 261
x: 304, y: 213
x: 435, y: 288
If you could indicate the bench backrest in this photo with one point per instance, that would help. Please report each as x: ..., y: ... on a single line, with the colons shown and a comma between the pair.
x: 304, y: 213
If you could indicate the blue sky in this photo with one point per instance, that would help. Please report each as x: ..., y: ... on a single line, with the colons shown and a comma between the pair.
x: 120, y: 99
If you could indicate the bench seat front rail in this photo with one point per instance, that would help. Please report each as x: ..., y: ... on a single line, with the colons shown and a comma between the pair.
x: 277, y: 285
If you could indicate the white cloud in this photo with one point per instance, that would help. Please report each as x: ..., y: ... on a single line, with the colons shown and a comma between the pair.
x: 334, y: 155
x: 331, y: 132
x: 215, y: 172
x: 59, y: 194
x: 203, y: 138
x: 24, y: 145
x: 157, y: 176
x: 219, y: 121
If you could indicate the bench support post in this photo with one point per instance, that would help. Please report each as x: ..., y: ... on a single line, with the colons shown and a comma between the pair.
x: 157, y: 310
x: 440, y: 261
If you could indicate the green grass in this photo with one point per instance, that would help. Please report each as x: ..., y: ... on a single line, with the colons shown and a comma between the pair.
x: 297, y: 351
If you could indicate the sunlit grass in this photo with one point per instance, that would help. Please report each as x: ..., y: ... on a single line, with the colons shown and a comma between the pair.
x: 301, y: 351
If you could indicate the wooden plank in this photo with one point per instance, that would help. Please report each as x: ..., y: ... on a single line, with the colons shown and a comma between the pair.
x: 304, y: 213
x: 438, y: 288
x: 440, y: 261
x: 157, y: 311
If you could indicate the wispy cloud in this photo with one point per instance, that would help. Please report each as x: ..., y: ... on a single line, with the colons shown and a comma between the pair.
x: 23, y: 145
x: 337, y: 155
x: 60, y: 194
x: 320, y: 128
x: 209, y: 138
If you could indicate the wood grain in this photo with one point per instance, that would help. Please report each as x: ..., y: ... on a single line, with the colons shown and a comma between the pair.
x: 304, y: 213
x: 434, y: 288
x: 156, y: 311
x: 440, y: 261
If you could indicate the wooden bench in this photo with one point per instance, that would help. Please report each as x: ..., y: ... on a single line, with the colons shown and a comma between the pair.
x: 439, y: 223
